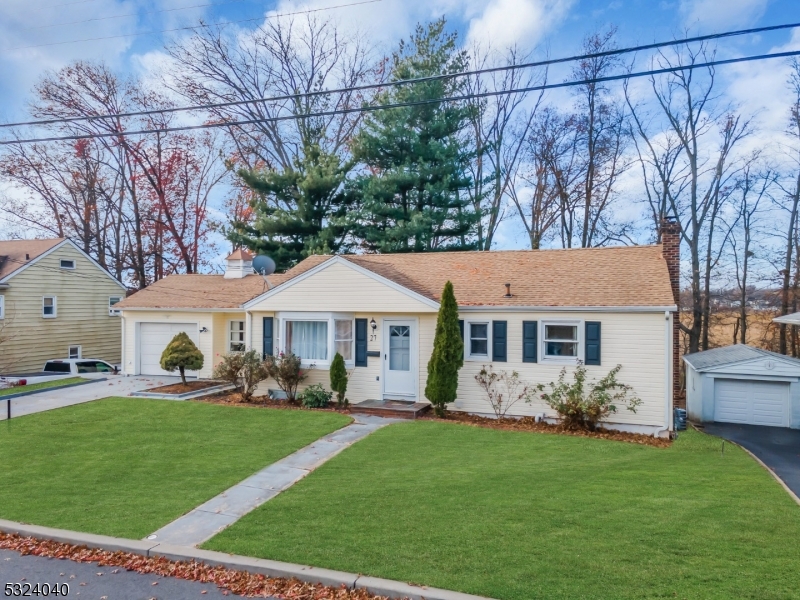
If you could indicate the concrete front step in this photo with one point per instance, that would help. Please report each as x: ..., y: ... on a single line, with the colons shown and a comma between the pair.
x: 391, y: 408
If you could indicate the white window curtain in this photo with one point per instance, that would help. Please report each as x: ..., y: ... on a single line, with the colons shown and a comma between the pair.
x: 307, y: 339
x: 344, y: 338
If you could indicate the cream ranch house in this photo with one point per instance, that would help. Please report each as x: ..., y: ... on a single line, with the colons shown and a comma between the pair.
x: 534, y: 312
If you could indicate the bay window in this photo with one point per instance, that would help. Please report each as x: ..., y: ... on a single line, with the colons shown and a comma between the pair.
x: 307, y: 339
x: 316, y: 337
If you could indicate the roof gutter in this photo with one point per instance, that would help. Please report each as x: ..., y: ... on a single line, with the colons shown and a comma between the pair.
x: 621, y: 309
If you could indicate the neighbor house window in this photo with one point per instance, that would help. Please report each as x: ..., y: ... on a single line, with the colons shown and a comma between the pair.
x: 112, y: 300
x: 561, y: 340
x: 478, y: 340
x: 74, y: 352
x: 343, y: 340
x: 2, y: 307
x: 236, y: 336
x: 67, y: 264
x: 307, y: 339
x: 49, y: 307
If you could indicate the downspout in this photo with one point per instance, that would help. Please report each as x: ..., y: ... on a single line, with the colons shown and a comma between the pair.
x: 123, y: 356
x: 668, y: 375
x: 248, y: 326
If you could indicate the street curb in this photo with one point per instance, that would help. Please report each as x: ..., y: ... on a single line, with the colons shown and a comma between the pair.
x: 270, y: 568
x: 49, y: 389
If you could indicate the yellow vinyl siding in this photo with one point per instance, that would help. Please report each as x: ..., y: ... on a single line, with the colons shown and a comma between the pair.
x: 634, y: 340
x: 339, y: 288
x: 82, y: 312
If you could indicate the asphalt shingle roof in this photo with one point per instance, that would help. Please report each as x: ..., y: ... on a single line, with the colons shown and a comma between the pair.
x: 728, y: 355
x: 619, y: 276
x: 15, y: 254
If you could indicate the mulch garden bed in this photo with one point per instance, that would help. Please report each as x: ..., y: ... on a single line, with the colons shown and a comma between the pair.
x: 508, y: 424
x: 231, y: 398
x: 241, y: 583
x: 530, y: 424
x: 180, y: 388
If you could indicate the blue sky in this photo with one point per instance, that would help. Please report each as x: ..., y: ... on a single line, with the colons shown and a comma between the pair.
x: 556, y: 25
x: 32, y: 32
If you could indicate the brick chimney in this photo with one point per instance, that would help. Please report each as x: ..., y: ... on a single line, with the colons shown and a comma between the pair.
x: 671, y: 251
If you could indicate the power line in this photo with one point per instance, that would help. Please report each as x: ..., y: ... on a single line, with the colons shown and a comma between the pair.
x: 371, y: 86
x: 135, y: 14
x: 193, y: 27
x: 377, y: 107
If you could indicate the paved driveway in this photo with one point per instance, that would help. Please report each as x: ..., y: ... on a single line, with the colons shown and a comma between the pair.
x: 114, y: 385
x: 778, y: 447
x: 88, y: 580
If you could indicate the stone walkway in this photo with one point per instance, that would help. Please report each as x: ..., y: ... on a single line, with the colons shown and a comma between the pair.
x: 208, y: 519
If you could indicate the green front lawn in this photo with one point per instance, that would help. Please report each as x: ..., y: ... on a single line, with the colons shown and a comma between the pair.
x: 127, y: 466
x: 521, y: 515
x: 40, y: 386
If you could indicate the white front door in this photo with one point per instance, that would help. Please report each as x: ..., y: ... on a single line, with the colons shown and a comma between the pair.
x: 400, y: 359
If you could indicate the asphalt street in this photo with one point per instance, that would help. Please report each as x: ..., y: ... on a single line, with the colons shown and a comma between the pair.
x: 88, y: 580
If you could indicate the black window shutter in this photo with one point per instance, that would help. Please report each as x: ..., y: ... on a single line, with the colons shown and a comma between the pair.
x: 269, y: 338
x: 592, y: 342
x: 461, y: 328
x: 361, y: 342
x: 499, y: 341
x: 530, y: 341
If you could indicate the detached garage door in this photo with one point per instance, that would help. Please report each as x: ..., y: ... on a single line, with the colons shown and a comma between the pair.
x: 153, y: 338
x: 753, y: 402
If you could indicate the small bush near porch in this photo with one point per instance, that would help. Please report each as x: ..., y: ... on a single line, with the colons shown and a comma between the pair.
x: 126, y: 467
x: 518, y: 515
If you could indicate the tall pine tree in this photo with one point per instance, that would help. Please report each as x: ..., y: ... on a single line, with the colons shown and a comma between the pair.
x: 297, y: 212
x: 411, y: 199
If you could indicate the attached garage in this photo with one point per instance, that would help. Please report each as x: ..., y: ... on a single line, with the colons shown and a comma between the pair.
x: 153, y: 338
x: 741, y: 384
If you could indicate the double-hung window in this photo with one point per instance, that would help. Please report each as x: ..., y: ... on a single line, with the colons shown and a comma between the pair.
x: 561, y: 341
x: 343, y: 337
x: 49, y: 310
x: 236, y: 336
x: 112, y: 300
x: 478, y: 340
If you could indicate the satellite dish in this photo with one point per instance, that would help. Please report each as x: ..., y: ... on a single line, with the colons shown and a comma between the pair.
x: 263, y: 265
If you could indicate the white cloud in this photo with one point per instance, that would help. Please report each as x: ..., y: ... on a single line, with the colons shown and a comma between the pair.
x: 716, y: 14
x: 506, y: 22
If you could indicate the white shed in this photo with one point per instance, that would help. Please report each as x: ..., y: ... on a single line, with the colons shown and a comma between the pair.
x: 741, y: 384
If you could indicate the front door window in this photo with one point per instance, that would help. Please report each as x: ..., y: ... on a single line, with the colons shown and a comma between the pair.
x: 400, y: 348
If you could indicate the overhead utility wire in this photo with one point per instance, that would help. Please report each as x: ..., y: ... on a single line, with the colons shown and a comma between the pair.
x: 193, y: 27
x: 377, y: 107
x: 371, y: 86
x: 135, y: 14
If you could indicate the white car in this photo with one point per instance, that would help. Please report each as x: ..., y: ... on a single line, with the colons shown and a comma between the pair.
x: 78, y: 366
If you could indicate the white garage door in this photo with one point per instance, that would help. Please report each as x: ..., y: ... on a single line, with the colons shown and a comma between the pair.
x: 153, y: 338
x: 753, y: 402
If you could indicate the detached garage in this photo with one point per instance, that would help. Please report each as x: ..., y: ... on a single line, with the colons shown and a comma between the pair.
x: 741, y: 384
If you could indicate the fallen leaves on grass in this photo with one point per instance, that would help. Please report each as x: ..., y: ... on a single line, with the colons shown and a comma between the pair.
x: 530, y: 424
x: 237, y: 582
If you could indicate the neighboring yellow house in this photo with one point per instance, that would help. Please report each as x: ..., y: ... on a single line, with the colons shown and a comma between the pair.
x: 534, y: 312
x: 55, y: 302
